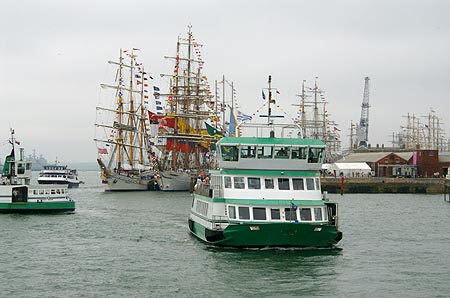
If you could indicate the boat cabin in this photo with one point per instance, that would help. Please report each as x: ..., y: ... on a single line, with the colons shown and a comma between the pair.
x: 270, y: 153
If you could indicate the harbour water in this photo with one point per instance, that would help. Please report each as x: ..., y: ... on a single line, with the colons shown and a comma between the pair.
x: 138, y: 245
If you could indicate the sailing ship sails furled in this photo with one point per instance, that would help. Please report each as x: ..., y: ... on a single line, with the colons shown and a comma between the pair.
x: 182, y: 145
x: 121, y: 129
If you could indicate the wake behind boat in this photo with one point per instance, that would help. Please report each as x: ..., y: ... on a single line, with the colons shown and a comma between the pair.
x: 266, y: 193
x: 18, y: 196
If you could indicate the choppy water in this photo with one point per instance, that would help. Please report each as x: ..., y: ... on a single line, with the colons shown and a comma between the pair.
x: 138, y: 245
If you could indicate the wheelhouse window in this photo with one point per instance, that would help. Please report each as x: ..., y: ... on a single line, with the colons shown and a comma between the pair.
x: 227, y: 181
x: 244, y: 213
x: 310, y: 183
x: 318, y: 215
x: 248, y: 152
x: 265, y: 152
x: 283, y: 183
x: 232, y: 212
x: 254, y: 183
x: 290, y: 214
x: 298, y: 153
x: 229, y: 153
x: 315, y: 155
x: 297, y: 184
x: 239, y: 182
x: 268, y: 183
x: 305, y: 214
x: 282, y: 152
x: 275, y: 213
x: 259, y: 213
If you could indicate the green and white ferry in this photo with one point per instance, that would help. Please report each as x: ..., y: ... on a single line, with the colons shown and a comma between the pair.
x: 18, y: 196
x: 265, y: 193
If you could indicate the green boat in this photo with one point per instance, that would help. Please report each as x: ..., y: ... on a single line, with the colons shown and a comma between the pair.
x: 265, y: 192
x: 18, y: 196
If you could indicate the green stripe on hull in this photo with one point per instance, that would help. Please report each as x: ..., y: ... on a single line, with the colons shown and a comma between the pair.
x: 272, y: 234
x: 44, y: 207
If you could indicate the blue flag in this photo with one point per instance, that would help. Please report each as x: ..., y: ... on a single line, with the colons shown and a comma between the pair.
x: 263, y: 95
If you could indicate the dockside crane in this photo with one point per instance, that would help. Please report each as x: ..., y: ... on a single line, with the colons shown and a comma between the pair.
x: 362, y: 133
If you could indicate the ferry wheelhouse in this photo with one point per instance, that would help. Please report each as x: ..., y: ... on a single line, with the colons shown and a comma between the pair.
x: 266, y: 192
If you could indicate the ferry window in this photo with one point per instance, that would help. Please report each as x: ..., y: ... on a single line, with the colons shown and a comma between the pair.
x: 315, y: 155
x: 35, y: 192
x: 317, y: 183
x: 275, y: 213
x: 290, y: 214
x: 227, y: 181
x: 265, y: 152
x: 298, y: 153
x: 254, y: 183
x: 297, y: 184
x: 283, y: 183
x: 58, y: 191
x: 239, y: 182
x: 47, y: 191
x: 268, y: 183
x: 41, y: 192
x: 20, y: 168
x: 248, y: 152
x: 244, y: 213
x: 259, y: 213
x: 282, y: 152
x: 53, y: 191
x: 229, y: 153
x: 318, y: 214
x: 232, y: 211
x: 309, y: 183
x: 29, y: 166
x: 305, y: 214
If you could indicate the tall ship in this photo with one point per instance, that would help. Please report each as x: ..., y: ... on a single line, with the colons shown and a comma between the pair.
x: 121, y: 128
x: 266, y: 192
x: 18, y: 196
x: 182, y: 146
x: 314, y: 120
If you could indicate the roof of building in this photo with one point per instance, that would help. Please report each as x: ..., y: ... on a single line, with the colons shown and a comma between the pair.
x: 373, y: 156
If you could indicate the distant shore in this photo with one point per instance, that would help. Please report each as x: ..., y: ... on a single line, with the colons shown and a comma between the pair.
x: 386, y: 185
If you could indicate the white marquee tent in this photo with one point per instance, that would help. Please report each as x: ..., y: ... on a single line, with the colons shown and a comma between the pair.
x: 351, y: 169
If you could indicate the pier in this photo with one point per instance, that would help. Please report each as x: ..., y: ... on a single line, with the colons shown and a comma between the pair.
x: 387, y: 185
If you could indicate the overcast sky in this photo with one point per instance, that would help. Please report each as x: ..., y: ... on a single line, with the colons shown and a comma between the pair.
x: 54, y: 53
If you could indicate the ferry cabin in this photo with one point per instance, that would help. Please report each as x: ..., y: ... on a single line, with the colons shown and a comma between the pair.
x: 266, y: 193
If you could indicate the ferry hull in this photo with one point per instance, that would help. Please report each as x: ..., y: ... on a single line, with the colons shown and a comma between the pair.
x: 68, y: 183
x: 37, y: 207
x: 269, y: 235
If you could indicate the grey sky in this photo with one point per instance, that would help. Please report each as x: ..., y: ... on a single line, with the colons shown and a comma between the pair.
x: 53, y: 56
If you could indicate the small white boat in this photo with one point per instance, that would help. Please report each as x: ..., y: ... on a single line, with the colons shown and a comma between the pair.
x: 59, y: 174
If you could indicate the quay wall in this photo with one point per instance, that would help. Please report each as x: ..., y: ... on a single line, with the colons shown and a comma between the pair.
x: 387, y: 185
